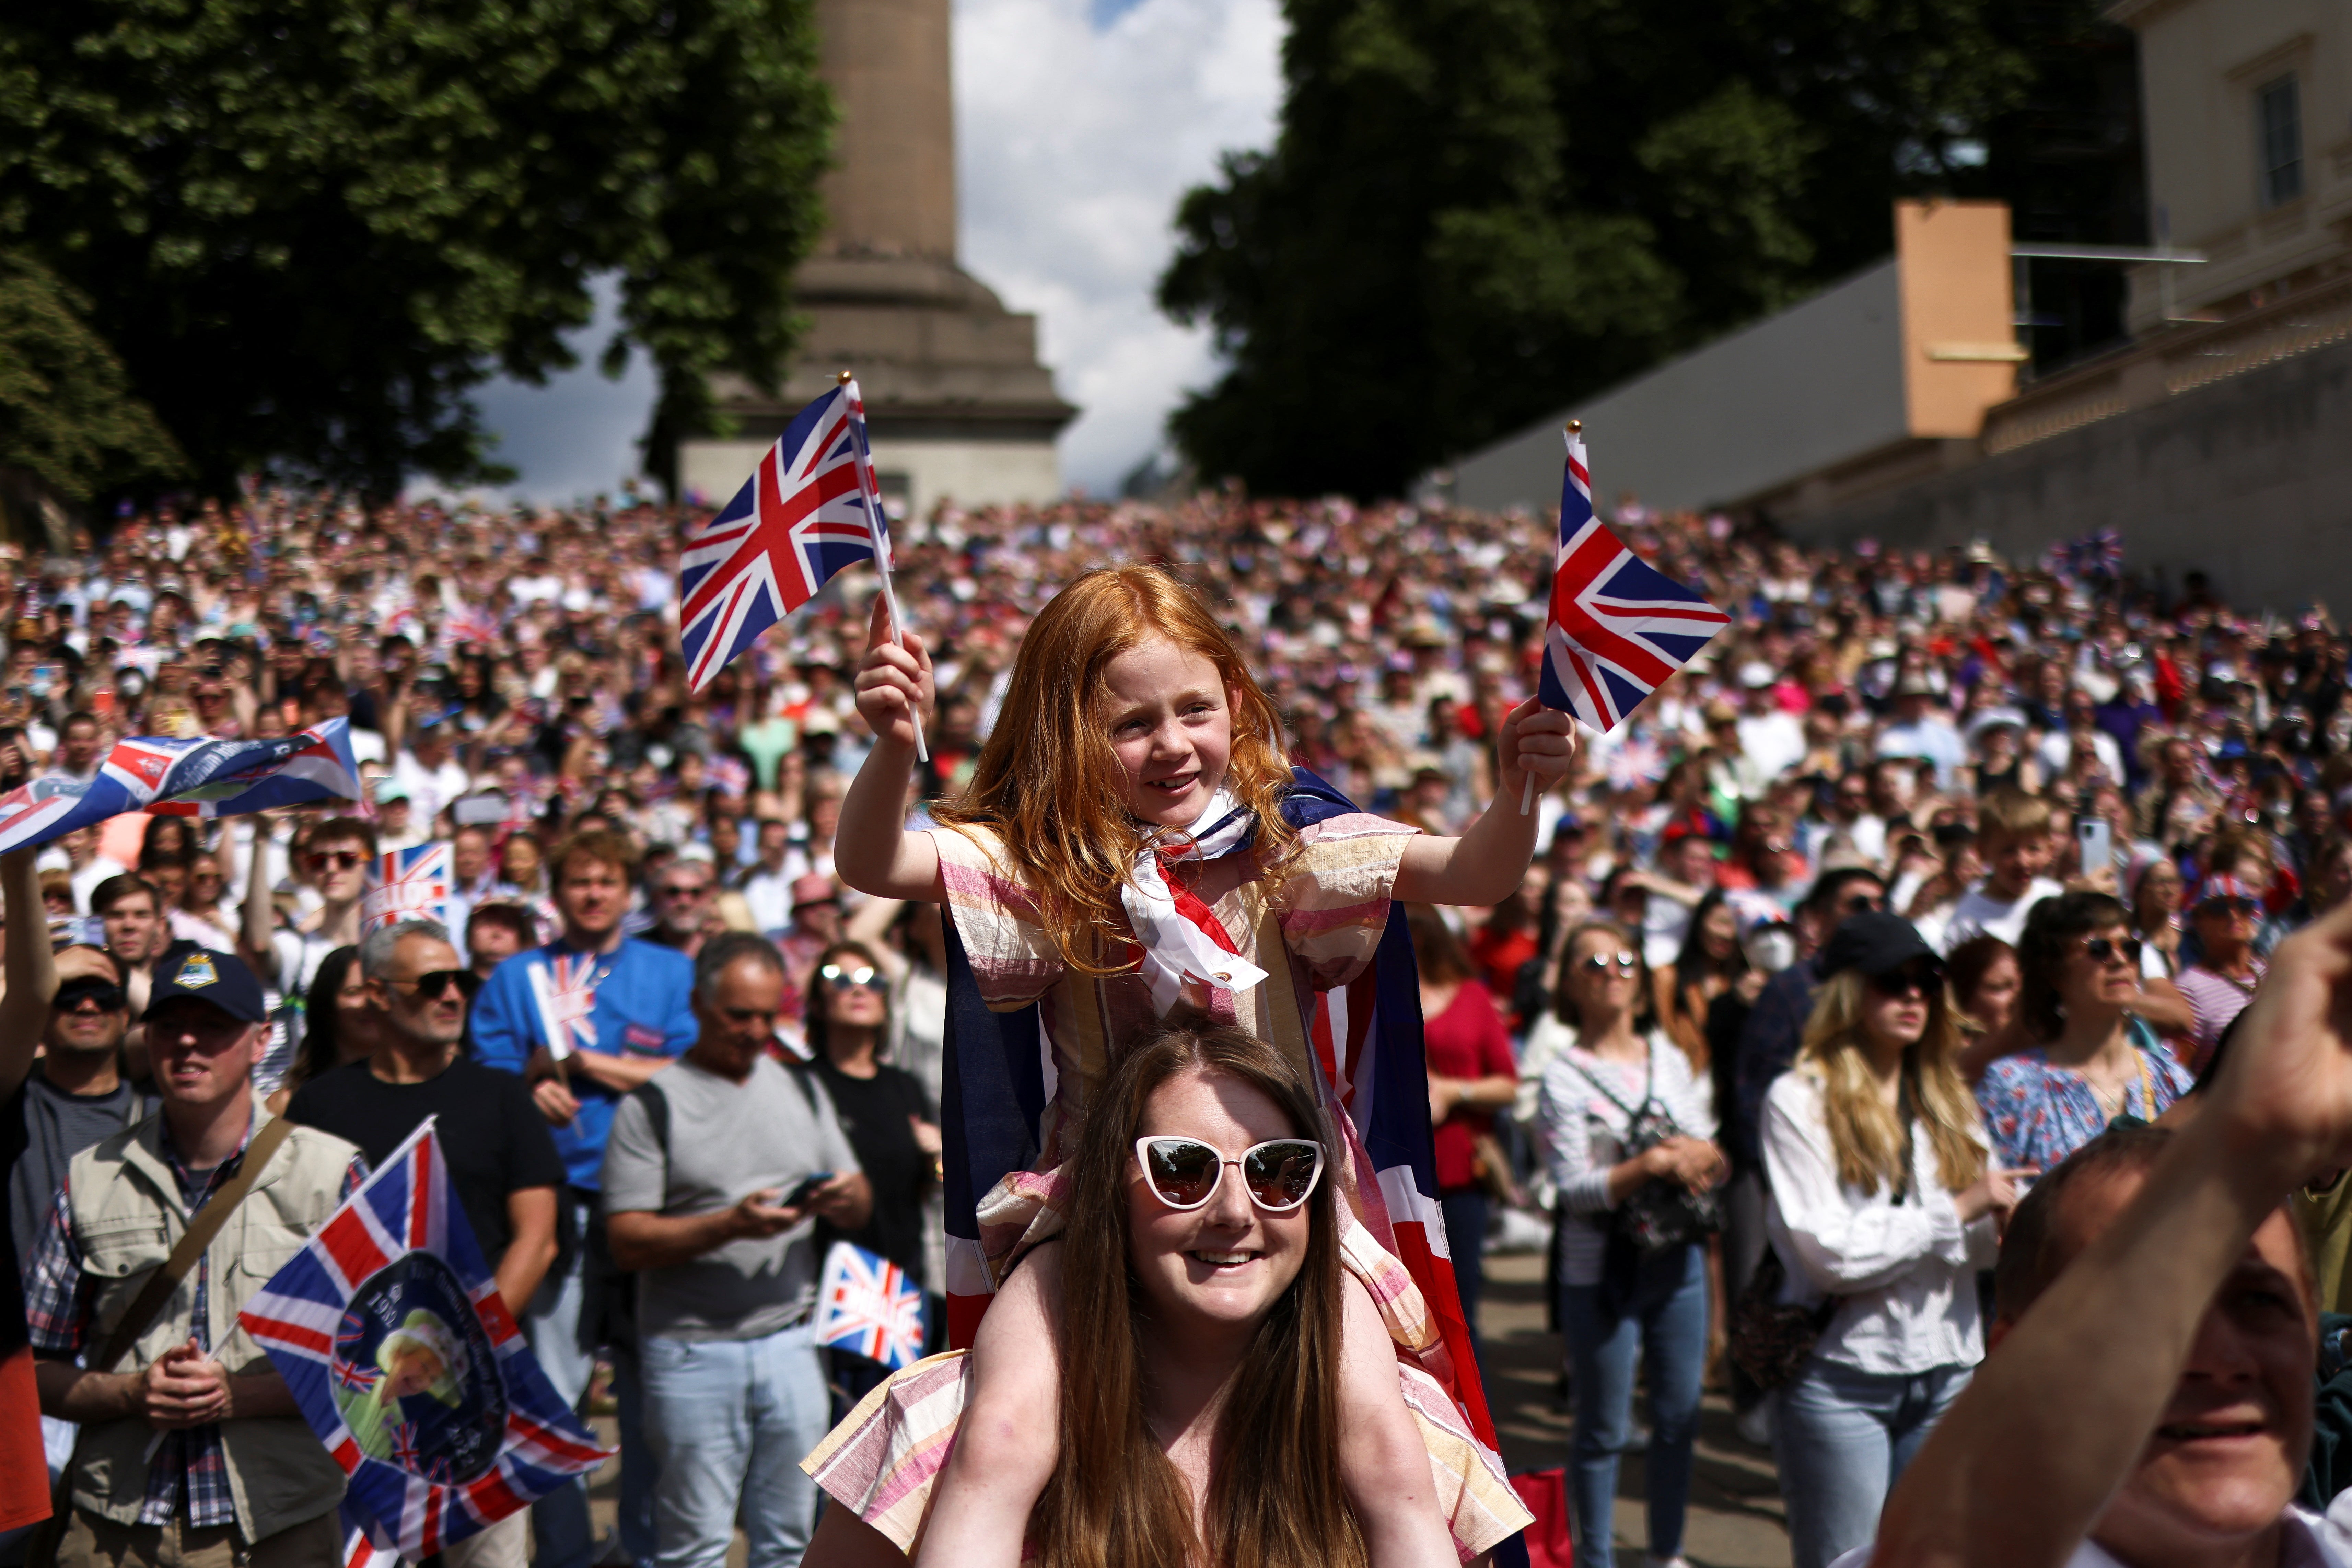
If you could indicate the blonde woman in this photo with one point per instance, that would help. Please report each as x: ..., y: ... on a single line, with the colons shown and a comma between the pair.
x: 1884, y: 1200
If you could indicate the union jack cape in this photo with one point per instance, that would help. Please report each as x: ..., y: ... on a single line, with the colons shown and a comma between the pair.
x: 411, y: 884
x: 1367, y: 1041
x: 203, y: 778
x: 812, y: 507
x: 305, y: 1319
x: 1618, y: 627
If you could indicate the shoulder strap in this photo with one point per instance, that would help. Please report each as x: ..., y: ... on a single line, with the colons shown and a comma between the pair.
x: 202, y: 1229
x: 1606, y: 1092
x: 805, y: 1075
x: 656, y: 1104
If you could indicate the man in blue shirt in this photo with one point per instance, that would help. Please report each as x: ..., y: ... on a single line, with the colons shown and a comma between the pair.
x: 630, y: 1012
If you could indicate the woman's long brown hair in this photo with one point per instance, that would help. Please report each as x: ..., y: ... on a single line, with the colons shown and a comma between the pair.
x: 1276, y: 1497
x: 1865, y: 1133
x: 1048, y: 782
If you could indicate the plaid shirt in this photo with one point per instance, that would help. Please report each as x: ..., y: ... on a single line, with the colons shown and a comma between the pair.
x: 186, y: 1467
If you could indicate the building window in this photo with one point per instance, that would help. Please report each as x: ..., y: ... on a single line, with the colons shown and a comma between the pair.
x: 2278, y: 109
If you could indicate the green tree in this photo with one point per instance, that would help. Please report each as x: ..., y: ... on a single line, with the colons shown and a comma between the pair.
x: 67, y: 413
x: 311, y: 230
x: 1476, y: 211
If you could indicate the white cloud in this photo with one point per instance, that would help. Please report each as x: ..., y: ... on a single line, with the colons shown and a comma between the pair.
x: 1079, y: 123
x: 1075, y: 141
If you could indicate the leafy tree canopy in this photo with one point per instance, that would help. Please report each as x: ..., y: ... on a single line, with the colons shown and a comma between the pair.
x: 1478, y: 210
x: 67, y: 413
x: 309, y: 231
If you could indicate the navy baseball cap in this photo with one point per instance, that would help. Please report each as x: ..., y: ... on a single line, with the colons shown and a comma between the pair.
x: 204, y: 975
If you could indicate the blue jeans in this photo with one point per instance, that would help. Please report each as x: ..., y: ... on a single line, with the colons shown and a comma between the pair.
x: 730, y: 1421
x: 1666, y: 1319
x: 1842, y: 1439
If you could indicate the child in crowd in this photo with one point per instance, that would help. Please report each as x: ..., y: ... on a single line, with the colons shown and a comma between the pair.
x: 2013, y: 836
x: 1121, y: 854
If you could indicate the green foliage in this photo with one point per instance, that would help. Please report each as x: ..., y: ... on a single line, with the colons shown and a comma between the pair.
x: 310, y: 228
x: 67, y: 413
x: 1477, y: 211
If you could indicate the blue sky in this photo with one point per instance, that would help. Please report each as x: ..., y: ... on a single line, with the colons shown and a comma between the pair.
x: 1065, y: 212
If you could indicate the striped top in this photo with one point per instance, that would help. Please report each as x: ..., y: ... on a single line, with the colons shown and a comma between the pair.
x: 1327, y: 908
x: 882, y: 1462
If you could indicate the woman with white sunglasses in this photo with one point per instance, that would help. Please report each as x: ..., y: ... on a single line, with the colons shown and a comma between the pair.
x: 1202, y: 1297
x: 1613, y: 1065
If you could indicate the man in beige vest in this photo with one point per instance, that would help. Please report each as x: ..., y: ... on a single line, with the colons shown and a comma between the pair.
x: 192, y: 1452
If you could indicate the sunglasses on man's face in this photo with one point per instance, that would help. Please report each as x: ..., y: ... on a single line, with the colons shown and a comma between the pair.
x: 689, y: 891
x: 104, y: 995
x: 841, y: 979
x: 1184, y: 1173
x: 1921, y: 975
x: 2109, y: 950
x: 435, y: 986
x: 342, y: 860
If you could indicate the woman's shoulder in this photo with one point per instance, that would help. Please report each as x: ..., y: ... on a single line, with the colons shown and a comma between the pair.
x: 1796, y: 1093
x: 2019, y: 1072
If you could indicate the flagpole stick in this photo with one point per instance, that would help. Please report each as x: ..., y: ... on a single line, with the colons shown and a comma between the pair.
x: 889, y: 595
x: 1528, y: 790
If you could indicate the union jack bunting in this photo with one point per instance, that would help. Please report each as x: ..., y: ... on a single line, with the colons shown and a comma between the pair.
x: 1618, y: 626
x: 462, y: 1430
x: 411, y: 884
x: 565, y: 990
x: 864, y: 1305
x: 203, y: 778
x: 810, y: 508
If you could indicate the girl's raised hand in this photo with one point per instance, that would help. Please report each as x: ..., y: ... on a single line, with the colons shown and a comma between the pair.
x: 893, y: 681
x: 1535, y: 740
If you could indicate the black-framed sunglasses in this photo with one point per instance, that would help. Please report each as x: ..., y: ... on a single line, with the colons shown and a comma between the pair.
x: 1924, y: 975
x: 1601, y: 964
x: 841, y: 979
x: 435, y: 986
x: 2108, y: 950
x: 108, y: 996
x: 1184, y: 1173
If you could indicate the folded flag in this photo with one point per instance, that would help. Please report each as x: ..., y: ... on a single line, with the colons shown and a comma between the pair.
x: 865, y: 1305
x: 389, y: 1330
x: 1618, y: 627
x: 411, y: 884
x: 565, y: 989
x: 810, y: 508
x: 200, y: 777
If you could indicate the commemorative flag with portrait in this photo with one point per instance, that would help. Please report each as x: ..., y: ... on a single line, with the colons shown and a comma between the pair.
x: 202, y: 778
x: 812, y: 506
x: 1618, y: 627
x: 389, y: 1330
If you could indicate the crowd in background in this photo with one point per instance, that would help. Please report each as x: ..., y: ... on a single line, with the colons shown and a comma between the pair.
x: 2007, y: 839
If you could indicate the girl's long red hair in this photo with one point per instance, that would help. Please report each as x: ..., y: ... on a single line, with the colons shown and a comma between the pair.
x: 1049, y: 785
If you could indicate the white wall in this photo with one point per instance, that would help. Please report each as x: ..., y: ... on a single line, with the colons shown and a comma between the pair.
x: 1816, y: 385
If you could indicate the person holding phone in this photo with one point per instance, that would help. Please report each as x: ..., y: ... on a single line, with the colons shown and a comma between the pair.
x: 715, y: 1174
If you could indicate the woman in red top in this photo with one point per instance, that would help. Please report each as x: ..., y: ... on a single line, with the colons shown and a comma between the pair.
x: 1471, y: 1074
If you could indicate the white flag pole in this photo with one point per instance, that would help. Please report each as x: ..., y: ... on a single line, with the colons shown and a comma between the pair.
x: 1528, y: 789
x: 874, y: 533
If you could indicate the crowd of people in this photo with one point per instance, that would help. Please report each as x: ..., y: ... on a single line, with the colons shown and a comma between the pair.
x: 1930, y: 871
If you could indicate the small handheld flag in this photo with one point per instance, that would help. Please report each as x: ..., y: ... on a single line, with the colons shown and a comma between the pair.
x: 865, y: 1305
x: 390, y: 1332
x: 411, y: 884
x: 1618, y: 627
x: 565, y: 989
x: 812, y: 507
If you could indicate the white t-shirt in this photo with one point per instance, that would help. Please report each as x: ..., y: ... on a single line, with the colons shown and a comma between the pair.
x: 2309, y: 1541
x: 1979, y: 914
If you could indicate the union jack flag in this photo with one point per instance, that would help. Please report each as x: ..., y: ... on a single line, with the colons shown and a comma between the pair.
x: 1618, y: 627
x: 350, y: 1374
x: 810, y: 508
x: 471, y: 625
x: 306, y: 1311
x: 565, y: 990
x: 202, y: 778
x: 865, y: 1305
x: 411, y: 884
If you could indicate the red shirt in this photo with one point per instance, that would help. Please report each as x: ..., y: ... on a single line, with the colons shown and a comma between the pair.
x: 1466, y: 1041
x: 1499, y: 958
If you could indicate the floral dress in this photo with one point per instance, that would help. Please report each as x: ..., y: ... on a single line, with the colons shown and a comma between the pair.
x: 2039, y: 1114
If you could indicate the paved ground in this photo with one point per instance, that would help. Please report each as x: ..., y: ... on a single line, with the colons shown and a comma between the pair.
x: 1734, y: 1519
x: 1736, y: 1516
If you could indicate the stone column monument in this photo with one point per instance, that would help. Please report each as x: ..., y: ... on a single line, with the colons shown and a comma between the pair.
x: 958, y: 404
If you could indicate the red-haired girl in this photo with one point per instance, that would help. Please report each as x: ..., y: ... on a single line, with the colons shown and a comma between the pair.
x: 1132, y: 785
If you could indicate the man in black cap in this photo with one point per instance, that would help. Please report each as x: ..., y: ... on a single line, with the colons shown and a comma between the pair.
x: 192, y: 1449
